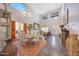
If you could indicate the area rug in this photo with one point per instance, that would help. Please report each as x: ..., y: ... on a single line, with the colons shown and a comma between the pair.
x: 33, y: 50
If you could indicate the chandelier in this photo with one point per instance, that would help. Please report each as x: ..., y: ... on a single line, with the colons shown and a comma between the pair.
x: 26, y: 14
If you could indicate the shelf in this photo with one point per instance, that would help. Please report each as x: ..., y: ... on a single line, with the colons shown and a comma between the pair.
x: 4, y: 24
x: 4, y: 28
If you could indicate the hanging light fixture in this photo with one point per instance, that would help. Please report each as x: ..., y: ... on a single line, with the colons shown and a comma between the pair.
x: 22, y: 8
x: 26, y: 14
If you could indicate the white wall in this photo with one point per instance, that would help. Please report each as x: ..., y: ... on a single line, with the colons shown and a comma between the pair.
x: 52, y: 23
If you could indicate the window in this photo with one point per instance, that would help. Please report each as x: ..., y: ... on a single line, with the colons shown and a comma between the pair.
x: 18, y: 6
x: 49, y: 15
x: 45, y: 29
x: 45, y: 17
x: 19, y: 26
x: 53, y: 15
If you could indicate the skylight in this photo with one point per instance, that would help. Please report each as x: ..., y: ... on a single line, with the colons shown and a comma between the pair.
x: 19, y: 6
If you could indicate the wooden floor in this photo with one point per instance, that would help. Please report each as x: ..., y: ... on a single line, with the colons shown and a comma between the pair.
x: 53, y: 48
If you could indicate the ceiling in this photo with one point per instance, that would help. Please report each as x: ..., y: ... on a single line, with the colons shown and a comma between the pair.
x: 35, y: 9
x: 41, y: 8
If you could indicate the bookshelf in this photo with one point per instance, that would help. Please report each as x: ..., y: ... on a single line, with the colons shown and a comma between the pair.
x: 5, y: 27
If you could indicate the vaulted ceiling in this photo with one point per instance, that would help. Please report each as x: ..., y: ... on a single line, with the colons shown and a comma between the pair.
x: 35, y: 10
x: 41, y: 8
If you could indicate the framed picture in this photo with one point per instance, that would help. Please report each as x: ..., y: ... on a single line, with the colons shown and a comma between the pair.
x: 36, y: 26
